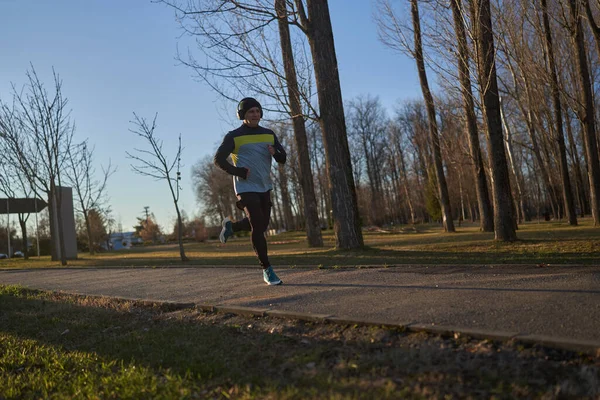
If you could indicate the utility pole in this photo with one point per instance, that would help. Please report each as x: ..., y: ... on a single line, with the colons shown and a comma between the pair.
x: 146, y: 211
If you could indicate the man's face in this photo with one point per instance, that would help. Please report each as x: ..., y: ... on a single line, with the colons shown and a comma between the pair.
x: 252, y: 117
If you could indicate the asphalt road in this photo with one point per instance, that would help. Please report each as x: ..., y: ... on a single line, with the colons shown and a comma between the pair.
x: 560, y: 302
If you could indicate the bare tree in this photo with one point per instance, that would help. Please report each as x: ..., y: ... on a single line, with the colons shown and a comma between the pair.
x: 397, y: 154
x: 521, y: 53
x: 486, y: 222
x: 391, y: 34
x: 213, y: 191
x: 90, y: 192
x: 367, y: 125
x: 560, y: 137
x: 313, y: 226
x: 315, y: 22
x: 412, y: 120
x: 586, y: 111
x: 154, y: 163
x: 40, y: 145
x: 504, y: 222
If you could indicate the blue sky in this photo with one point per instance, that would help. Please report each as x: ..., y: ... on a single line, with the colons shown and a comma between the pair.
x: 117, y: 57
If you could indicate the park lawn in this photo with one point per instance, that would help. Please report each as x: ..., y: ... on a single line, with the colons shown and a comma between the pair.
x: 540, y: 243
x: 61, y: 346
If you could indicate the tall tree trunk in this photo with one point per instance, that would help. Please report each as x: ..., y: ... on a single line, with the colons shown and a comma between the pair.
x: 504, y: 223
x: 348, y: 233
x: 433, y: 128
x: 486, y: 223
x: 88, y: 230
x: 182, y: 255
x: 558, y: 119
x: 313, y: 225
x: 586, y: 114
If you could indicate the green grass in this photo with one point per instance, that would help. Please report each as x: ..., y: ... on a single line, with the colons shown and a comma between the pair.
x: 61, y: 346
x: 547, y: 243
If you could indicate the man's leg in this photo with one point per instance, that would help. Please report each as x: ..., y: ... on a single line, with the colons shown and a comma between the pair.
x: 269, y: 276
x: 230, y: 227
x: 265, y: 199
x: 256, y: 219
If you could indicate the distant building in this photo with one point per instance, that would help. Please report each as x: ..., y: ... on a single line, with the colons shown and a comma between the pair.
x: 122, y: 240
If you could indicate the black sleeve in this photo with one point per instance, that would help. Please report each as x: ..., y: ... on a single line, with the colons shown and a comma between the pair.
x: 220, y: 158
x: 280, y: 156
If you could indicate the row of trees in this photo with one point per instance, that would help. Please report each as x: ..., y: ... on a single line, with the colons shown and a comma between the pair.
x: 511, y: 109
x: 518, y: 54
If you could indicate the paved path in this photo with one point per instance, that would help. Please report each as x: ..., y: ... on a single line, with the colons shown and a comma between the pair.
x: 560, y: 302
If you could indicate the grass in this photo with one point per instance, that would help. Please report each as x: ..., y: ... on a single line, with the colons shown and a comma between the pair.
x: 547, y: 243
x: 61, y: 346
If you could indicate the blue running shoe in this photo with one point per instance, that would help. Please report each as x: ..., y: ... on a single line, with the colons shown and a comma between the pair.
x: 227, y: 230
x: 270, y: 277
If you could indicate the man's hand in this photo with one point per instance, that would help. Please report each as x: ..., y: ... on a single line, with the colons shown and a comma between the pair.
x: 271, y: 149
x: 247, y: 172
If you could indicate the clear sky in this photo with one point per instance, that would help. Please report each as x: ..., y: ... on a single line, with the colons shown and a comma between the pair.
x: 117, y: 57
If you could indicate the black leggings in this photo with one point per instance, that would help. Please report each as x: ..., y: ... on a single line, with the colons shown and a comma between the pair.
x: 258, y: 213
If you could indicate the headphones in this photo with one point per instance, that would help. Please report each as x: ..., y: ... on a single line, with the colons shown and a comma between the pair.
x: 241, y: 111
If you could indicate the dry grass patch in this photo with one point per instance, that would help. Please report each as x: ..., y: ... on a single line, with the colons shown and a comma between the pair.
x: 554, y: 243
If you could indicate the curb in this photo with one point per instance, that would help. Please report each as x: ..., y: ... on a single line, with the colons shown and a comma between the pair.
x: 588, y: 347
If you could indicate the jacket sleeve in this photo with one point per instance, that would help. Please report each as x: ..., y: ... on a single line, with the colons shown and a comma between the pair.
x: 220, y: 158
x: 280, y: 155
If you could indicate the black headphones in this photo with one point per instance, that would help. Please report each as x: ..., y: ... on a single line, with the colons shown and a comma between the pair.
x: 241, y: 110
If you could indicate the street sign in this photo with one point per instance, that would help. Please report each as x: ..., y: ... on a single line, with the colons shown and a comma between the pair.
x: 21, y: 206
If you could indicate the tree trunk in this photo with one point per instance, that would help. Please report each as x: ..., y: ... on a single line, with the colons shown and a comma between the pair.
x: 433, y: 128
x: 348, y: 234
x: 88, y: 230
x: 313, y: 225
x: 486, y: 223
x: 586, y: 114
x: 504, y: 225
x: 558, y: 119
x: 180, y: 234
